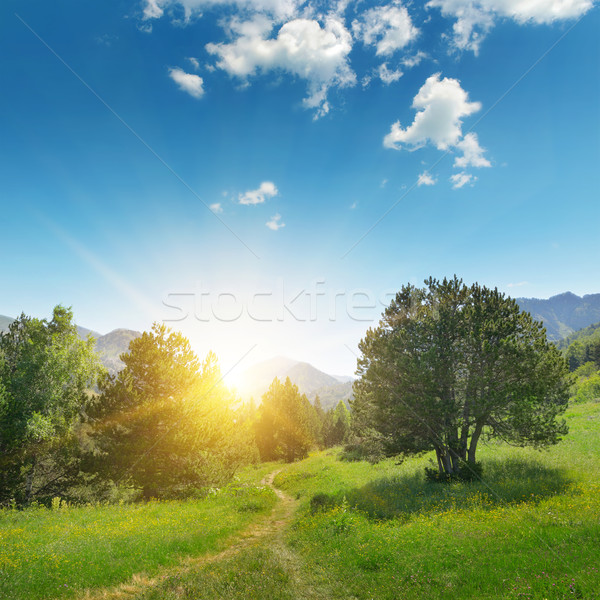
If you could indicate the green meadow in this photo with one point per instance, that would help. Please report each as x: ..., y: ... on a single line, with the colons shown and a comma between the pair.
x: 59, y: 553
x: 530, y: 529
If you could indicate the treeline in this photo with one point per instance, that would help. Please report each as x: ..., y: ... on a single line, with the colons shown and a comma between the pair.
x: 287, y: 425
x: 582, y: 352
x: 164, y: 426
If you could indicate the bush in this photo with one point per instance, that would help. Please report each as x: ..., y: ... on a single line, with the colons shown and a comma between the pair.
x: 588, y: 390
x: 369, y: 448
x: 321, y: 502
x: 466, y: 472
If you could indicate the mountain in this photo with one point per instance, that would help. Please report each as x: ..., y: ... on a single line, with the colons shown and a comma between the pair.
x: 5, y: 322
x: 329, y: 396
x: 109, y: 346
x: 563, y: 314
x: 309, y: 379
x: 112, y: 345
x: 256, y: 380
x: 82, y: 331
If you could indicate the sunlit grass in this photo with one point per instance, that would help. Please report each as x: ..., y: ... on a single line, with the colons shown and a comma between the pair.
x: 530, y: 530
x: 57, y: 553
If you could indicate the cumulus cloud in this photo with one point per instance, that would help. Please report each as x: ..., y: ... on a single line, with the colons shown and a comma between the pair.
x: 412, y: 61
x: 187, y: 82
x: 302, y: 47
x: 387, y: 75
x: 461, y: 179
x: 472, y: 153
x: 275, y: 223
x: 426, y: 179
x: 194, y: 62
x: 388, y: 28
x: 216, y: 207
x: 441, y: 106
x: 266, y: 190
x: 474, y: 18
x: 154, y: 9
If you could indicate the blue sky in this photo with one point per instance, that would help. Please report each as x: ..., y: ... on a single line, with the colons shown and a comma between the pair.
x: 171, y: 159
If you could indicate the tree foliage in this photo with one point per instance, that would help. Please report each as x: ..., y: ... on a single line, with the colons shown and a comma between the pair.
x: 46, y: 372
x: 287, y: 424
x: 336, y: 425
x: 167, y: 423
x: 450, y: 364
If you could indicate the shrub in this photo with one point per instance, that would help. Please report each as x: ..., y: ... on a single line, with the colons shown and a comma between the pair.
x: 466, y: 472
x: 321, y: 502
x: 588, y: 390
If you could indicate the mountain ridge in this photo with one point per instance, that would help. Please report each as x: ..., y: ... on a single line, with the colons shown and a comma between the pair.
x: 564, y: 313
x: 255, y: 381
x: 109, y: 346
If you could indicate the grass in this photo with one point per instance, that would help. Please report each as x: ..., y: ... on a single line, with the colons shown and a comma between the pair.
x: 530, y: 530
x: 260, y: 572
x: 58, y: 553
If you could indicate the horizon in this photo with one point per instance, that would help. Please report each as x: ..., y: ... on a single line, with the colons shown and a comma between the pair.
x: 233, y: 375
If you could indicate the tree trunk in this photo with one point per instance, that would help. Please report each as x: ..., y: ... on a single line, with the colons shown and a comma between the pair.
x: 447, y: 463
x: 474, y: 440
x: 149, y: 492
x: 438, y: 455
x: 29, y: 481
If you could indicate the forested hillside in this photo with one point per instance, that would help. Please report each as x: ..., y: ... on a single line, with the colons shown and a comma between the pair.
x: 564, y: 313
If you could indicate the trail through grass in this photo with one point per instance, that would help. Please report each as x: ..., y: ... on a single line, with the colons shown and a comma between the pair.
x: 48, y: 554
x: 258, y: 565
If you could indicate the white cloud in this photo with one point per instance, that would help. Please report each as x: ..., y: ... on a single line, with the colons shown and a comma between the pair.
x: 266, y: 190
x: 460, y: 179
x: 275, y: 223
x: 441, y: 105
x: 216, y: 207
x: 187, y: 82
x: 472, y: 153
x: 388, y: 28
x: 412, y: 61
x: 154, y: 9
x: 302, y: 48
x: 194, y: 62
x: 426, y: 179
x: 519, y: 284
x: 388, y: 76
x: 354, y: 205
x: 474, y: 18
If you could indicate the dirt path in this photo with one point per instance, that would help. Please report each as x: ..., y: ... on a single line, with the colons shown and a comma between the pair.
x: 269, y: 526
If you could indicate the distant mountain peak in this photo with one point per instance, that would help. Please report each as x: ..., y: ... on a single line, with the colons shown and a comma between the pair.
x: 564, y: 313
x: 255, y: 381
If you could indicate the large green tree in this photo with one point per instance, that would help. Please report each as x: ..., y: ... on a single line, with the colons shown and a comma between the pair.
x: 450, y: 364
x: 46, y: 372
x: 166, y: 423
